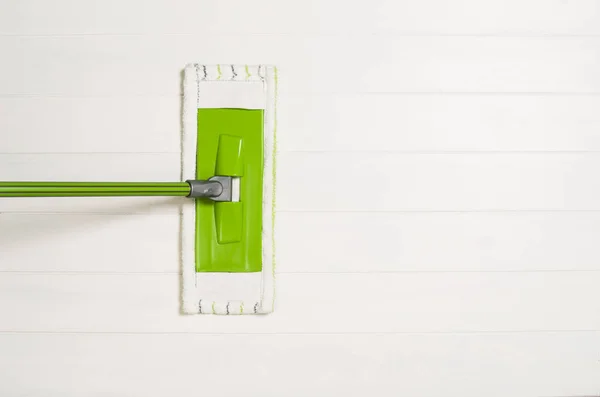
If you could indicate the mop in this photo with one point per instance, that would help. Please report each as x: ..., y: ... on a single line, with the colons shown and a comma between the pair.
x: 228, y: 173
x: 229, y: 115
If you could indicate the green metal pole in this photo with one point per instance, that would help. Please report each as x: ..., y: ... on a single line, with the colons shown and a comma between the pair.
x: 93, y: 189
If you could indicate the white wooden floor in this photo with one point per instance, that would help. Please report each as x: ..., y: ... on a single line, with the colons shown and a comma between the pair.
x: 474, y: 270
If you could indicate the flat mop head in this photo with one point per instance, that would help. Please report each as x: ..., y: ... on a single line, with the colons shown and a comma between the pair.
x: 229, y: 126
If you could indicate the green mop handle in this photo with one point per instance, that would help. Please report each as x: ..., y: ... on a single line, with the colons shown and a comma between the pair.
x: 216, y: 188
x: 93, y: 189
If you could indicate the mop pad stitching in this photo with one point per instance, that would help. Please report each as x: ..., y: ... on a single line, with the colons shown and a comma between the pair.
x: 274, y: 173
x: 197, y: 67
x: 265, y: 156
x: 235, y: 81
x: 200, y: 306
x: 269, y: 151
x: 256, y: 308
x: 211, y: 73
x: 227, y: 307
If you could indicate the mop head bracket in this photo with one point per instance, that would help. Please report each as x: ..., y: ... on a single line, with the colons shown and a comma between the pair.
x: 217, y: 188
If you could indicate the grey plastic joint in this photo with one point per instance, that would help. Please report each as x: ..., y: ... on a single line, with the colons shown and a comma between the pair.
x: 217, y: 188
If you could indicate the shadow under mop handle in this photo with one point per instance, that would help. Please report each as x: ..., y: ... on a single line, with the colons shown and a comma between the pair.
x: 93, y: 189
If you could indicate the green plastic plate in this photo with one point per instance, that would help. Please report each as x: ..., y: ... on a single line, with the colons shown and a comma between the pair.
x: 228, y: 234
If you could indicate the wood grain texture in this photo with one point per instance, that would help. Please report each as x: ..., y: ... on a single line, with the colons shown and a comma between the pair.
x: 437, y: 218
x: 495, y: 365
x: 310, y: 303
x: 110, y: 243
x: 440, y: 122
x: 151, y: 65
x: 66, y: 17
x: 437, y: 182
x: 92, y: 125
x: 437, y: 242
x: 405, y: 123
x: 317, y: 242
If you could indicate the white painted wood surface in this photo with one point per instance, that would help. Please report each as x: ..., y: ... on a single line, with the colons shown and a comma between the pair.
x: 517, y: 364
x: 474, y: 271
x: 311, y: 303
x: 134, y: 65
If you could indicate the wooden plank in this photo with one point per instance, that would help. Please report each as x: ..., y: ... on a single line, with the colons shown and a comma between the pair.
x: 474, y: 182
x: 326, y: 122
x: 545, y: 17
x: 440, y: 122
x: 93, y: 243
x: 423, y: 242
x: 364, y: 242
x: 310, y: 303
x: 335, y: 181
x: 270, y: 365
x: 151, y: 65
x: 67, y: 125
x: 110, y: 167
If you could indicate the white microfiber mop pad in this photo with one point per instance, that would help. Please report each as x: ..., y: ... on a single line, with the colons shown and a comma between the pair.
x: 229, y: 86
